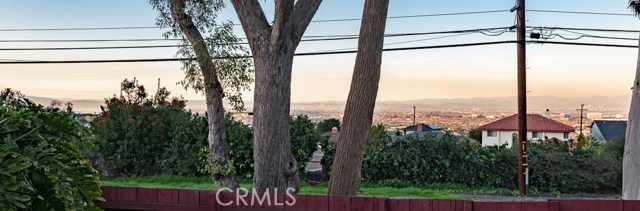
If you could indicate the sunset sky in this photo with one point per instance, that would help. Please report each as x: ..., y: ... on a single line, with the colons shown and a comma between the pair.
x: 482, y: 71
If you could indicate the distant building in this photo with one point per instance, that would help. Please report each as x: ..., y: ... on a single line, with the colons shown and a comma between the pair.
x: 607, y: 130
x: 505, y: 131
x: 421, y: 128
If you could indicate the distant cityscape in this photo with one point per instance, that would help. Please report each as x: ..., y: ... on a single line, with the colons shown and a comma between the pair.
x: 457, y: 116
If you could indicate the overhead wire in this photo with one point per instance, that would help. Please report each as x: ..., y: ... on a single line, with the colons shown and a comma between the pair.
x: 327, y: 38
x: 580, y: 12
x: 239, y: 57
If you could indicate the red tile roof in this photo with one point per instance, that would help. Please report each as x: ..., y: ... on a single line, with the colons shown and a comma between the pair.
x: 535, y: 123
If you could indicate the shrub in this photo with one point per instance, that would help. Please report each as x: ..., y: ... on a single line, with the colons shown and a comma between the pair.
x: 137, y: 135
x: 327, y: 124
x: 41, y: 167
x: 433, y: 160
x: 133, y: 131
x: 240, y: 139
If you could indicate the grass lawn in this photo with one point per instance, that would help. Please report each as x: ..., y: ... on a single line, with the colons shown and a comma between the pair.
x: 204, y: 183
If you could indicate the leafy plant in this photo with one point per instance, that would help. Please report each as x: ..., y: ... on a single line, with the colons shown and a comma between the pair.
x: 327, y: 124
x: 41, y: 167
x: 304, y: 140
x: 553, y: 165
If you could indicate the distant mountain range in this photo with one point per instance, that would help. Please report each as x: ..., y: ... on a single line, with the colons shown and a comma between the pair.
x: 535, y: 103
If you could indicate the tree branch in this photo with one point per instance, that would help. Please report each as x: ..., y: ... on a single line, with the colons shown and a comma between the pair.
x: 252, y: 18
x: 194, y: 36
x: 303, y: 12
x: 281, y: 24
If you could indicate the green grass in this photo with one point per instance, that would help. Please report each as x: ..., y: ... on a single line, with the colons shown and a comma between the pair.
x: 204, y: 183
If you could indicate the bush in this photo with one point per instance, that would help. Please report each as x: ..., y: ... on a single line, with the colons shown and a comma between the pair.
x: 433, y: 160
x: 138, y: 136
x: 327, y: 124
x: 240, y: 139
x: 134, y: 131
x: 41, y: 167
x: 304, y: 140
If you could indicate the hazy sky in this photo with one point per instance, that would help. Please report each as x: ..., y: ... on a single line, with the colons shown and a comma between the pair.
x: 483, y: 71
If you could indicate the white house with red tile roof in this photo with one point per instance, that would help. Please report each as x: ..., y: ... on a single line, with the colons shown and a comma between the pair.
x: 505, y: 131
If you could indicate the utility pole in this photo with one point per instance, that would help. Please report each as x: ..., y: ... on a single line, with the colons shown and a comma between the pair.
x: 414, y: 115
x: 581, y: 116
x: 522, y: 98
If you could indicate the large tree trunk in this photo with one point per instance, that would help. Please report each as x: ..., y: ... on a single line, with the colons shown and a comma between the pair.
x: 275, y: 166
x: 358, y: 114
x: 273, y: 47
x: 222, y: 175
x: 631, y: 158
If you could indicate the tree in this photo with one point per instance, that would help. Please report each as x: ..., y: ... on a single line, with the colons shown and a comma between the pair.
x: 476, y: 134
x: 327, y: 124
x: 218, y: 69
x: 272, y: 47
x: 631, y: 158
x: 358, y: 114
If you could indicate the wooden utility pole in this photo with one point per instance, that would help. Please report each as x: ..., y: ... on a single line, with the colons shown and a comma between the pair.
x: 414, y: 115
x: 522, y: 98
x: 581, y: 116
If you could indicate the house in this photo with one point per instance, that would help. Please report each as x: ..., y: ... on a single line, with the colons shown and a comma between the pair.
x: 421, y: 128
x: 505, y: 131
x: 607, y: 130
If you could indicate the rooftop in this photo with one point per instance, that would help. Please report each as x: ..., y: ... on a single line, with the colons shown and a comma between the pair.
x: 535, y: 123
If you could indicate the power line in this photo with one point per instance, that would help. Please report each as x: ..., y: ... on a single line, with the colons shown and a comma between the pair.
x: 94, y: 40
x: 417, y: 16
x: 80, y: 28
x: 580, y: 12
x: 335, y: 37
x: 90, y: 48
x: 579, y: 44
x: 585, y: 29
x: 297, y: 54
x: 317, y: 53
x: 316, y: 21
x: 319, y: 38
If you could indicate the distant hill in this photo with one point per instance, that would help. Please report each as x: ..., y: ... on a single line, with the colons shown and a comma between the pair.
x: 535, y: 103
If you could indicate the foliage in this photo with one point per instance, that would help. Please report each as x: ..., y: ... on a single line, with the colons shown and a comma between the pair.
x: 139, y: 134
x: 41, y: 167
x: 634, y: 6
x: 377, y: 137
x: 234, y: 71
x: 240, y: 139
x: 187, y: 134
x: 327, y: 124
x: 476, y: 134
x: 554, y: 165
x: 582, y: 141
x: 304, y: 140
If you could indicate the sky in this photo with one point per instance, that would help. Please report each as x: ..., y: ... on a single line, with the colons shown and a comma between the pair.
x: 481, y: 71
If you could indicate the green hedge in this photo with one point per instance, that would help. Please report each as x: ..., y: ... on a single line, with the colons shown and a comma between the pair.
x: 137, y: 135
x: 431, y: 160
